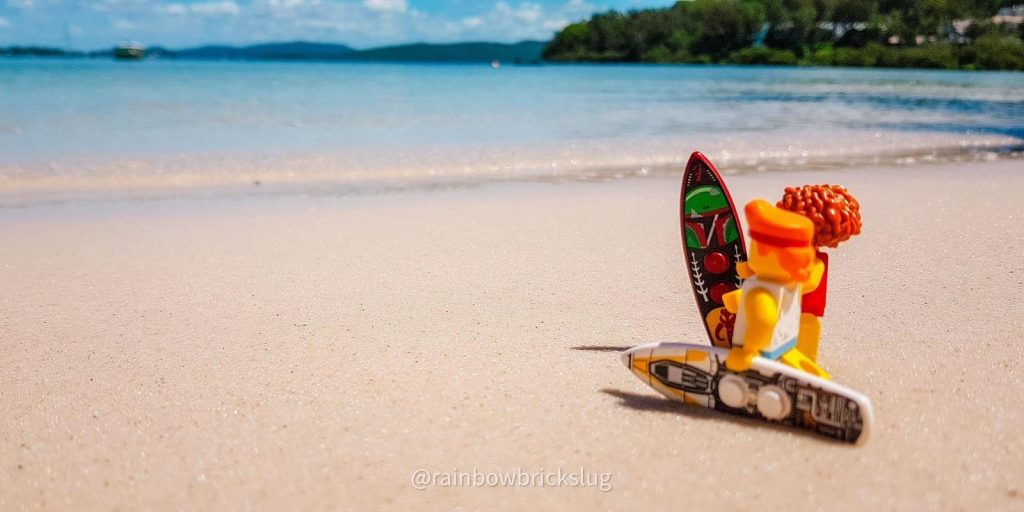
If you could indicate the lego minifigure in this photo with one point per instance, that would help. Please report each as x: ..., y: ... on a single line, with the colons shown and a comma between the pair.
x: 836, y: 217
x: 770, y: 321
x: 781, y: 265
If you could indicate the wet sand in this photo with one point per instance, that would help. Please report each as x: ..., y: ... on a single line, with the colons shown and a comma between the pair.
x: 312, y: 353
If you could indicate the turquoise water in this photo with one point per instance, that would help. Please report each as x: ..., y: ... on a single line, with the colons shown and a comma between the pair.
x: 346, y: 119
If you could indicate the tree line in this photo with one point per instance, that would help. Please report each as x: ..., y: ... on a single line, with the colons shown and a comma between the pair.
x: 950, y: 34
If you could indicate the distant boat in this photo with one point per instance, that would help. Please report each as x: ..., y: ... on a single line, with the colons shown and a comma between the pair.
x: 495, y: 64
x: 130, y: 51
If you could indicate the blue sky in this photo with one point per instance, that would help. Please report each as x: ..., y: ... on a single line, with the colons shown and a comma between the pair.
x: 92, y: 24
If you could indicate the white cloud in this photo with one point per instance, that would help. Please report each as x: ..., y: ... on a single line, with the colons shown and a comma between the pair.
x: 342, y: 26
x: 529, y: 13
x: 579, y: 7
x: 556, y: 24
x: 119, y: 7
x: 227, y: 7
x: 526, y: 12
x: 292, y: 4
x: 223, y: 8
x: 506, y: 21
x: 174, y: 9
x: 361, y: 23
x: 386, y: 5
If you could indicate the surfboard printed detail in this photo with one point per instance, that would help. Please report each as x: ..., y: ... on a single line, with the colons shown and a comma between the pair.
x: 712, y: 244
x: 770, y: 391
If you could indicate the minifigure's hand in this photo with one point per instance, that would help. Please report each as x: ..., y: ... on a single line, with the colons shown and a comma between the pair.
x: 739, y: 360
x: 731, y: 301
x: 814, y: 279
x: 743, y: 270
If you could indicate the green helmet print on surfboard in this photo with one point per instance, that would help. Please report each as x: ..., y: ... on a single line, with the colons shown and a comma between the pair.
x: 712, y: 245
x: 708, y: 200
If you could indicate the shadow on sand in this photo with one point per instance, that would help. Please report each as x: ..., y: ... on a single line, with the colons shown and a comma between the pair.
x: 602, y: 348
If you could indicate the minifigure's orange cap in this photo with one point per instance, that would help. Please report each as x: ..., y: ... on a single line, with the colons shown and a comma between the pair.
x: 774, y: 226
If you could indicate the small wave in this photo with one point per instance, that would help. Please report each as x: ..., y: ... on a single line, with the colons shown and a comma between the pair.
x: 373, y: 172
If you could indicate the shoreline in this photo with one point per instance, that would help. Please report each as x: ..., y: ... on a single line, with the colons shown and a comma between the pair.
x: 340, y: 174
x: 800, y: 63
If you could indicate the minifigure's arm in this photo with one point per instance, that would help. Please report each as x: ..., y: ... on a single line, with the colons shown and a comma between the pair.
x: 814, y: 280
x: 731, y: 301
x: 762, y: 314
x: 743, y: 270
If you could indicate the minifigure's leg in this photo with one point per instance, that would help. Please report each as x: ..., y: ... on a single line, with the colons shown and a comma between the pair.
x: 798, y: 360
x: 810, y: 335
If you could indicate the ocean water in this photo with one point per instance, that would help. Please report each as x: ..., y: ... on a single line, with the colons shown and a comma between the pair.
x: 71, y: 123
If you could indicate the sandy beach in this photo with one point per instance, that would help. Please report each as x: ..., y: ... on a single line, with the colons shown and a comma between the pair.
x: 312, y: 352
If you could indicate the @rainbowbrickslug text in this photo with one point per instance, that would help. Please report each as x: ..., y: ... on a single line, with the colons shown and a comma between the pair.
x: 422, y: 478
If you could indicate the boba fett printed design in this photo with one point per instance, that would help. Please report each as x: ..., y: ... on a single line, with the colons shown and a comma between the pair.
x: 712, y: 244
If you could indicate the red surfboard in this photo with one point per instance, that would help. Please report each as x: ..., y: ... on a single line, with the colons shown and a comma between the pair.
x: 712, y: 244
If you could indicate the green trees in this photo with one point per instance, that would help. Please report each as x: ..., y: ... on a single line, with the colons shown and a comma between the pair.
x: 572, y: 40
x: 762, y: 55
x: 733, y: 25
x: 676, y: 34
x: 994, y: 51
x: 890, y: 33
x: 792, y: 23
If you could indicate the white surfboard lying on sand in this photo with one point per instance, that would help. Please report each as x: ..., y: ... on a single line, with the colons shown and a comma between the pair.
x: 769, y: 391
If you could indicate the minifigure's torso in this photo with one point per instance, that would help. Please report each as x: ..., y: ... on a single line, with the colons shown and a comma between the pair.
x: 787, y: 300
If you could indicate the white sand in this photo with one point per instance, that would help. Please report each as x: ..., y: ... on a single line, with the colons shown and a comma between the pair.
x: 311, y: 353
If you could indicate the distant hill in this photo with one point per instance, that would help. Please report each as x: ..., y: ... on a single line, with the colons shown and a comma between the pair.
x: 37, y: 51
x: 526, y: 51
x: 277, y: 51
x: 522, y: 52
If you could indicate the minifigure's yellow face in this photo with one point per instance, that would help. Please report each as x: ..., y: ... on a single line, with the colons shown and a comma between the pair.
x: 782, y: 264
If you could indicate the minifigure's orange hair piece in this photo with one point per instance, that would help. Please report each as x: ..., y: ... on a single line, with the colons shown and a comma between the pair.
x: 833, y: 210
